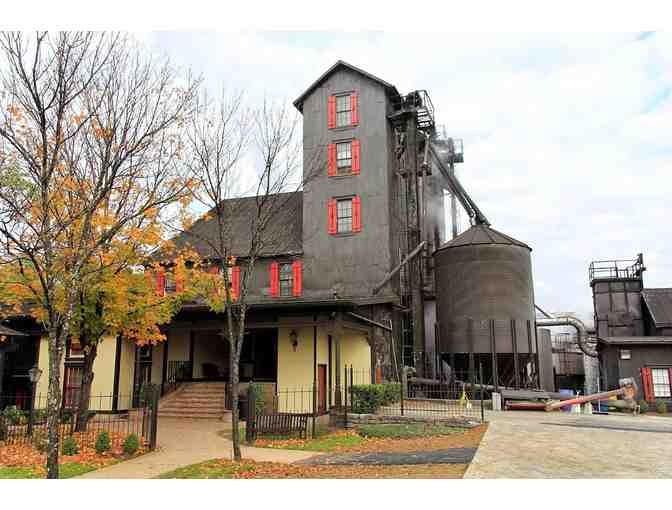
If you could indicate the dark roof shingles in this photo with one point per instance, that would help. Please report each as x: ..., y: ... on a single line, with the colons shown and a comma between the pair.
x: 283, y: 234
x: 659, y: 303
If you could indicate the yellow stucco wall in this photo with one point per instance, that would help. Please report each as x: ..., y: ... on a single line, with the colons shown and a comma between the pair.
x: 103, y: 369
x: 103, y: 379
x: 126, y: 372
x: 295, y: 368
x: 43, y: 363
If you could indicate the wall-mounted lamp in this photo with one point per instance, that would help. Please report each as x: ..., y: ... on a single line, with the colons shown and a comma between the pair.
x: 294, y: 339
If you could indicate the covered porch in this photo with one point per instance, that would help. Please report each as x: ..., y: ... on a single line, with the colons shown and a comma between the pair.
x: 287, y: 350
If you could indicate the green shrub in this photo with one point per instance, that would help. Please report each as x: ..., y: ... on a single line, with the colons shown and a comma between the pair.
x: 643, y: 406
x: 3, y: 428
x: 367, y: 398
x: 39, y: 416
x: 259, y: 403
x: 14, y: 416
x: 67, y: 415
x: 131, y: 444
x: 103, y: 443
x: 661, y: 407
x: 391, y: 393
x: 70, y: 446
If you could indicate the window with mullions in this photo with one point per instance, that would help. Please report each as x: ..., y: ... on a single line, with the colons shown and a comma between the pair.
x: 661, y: 382
x: 343, y: 111
x: 344, y: 157
x: 171, y: 285
x: 286, y: 280
x: 344, y: 215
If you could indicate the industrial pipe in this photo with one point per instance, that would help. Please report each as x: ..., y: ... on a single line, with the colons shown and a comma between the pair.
x: 581, y: 332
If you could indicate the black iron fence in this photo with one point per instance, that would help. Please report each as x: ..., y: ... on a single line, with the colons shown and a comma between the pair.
x: 26, y: 424
x: 295, y: 411
x: 459, y: 397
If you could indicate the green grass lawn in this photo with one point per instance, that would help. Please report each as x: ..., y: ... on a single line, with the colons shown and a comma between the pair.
x: 16, y: 472
x: 403, y: 431
x: 67, y: 470
x: 207, y: 470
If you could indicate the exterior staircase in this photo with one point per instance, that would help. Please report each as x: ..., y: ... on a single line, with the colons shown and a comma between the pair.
x: 195, y: 401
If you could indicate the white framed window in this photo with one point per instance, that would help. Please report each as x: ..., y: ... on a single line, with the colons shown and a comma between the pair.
x: 344, y: 215
x: 170, y: 283
x: 343, y: 110
x: 344, y: 157
x: 626, y: 354
x: 661, y: 382
x: 286, y: 280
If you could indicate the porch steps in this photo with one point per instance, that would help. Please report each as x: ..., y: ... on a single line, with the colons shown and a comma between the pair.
x: 195, y: 401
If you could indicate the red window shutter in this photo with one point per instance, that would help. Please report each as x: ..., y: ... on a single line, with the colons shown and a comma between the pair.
x: 356, y: 215
x: 179, y: 284
x: 332, y: 216
x: 275, y: 279
x: 331, y: 159
x: 161, y: 282
x: 297, y: 269
x: 214, y: 269
x: 331, y: 112
x: 355, y: 156
x: 235, y: 282
x: 647, y: 385
x: 355, y: 109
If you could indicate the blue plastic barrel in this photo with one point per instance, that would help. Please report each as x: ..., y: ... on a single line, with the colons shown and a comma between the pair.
x: 569, y: 393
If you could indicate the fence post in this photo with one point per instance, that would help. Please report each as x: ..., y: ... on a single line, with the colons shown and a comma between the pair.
x: 154, y: 427
x: 345, y: 398
x: 314, y: 408
x: 402, y: 390
x: 480, y: 380
x: 251, y: 418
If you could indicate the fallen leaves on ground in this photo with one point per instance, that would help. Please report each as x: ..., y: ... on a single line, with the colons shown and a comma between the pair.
x: 223, y: 468
x: 470, y: 438
x: 25, y: 455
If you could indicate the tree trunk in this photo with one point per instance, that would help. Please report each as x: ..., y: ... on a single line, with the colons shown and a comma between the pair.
x: 54, y: 401
x: 235, y: 418
x: 85, y: 391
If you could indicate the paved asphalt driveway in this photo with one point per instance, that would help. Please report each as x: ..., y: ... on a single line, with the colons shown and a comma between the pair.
x: 528, y: 444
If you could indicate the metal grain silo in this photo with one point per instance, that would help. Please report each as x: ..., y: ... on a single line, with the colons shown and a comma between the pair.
x: 485, y: 307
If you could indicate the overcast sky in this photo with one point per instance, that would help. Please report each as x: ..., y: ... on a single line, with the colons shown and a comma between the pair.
x: 567, y: 138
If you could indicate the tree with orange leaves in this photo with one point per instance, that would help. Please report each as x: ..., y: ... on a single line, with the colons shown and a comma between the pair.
x: 90, y: 148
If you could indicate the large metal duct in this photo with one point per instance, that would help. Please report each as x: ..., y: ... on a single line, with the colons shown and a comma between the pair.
x: 581, y: 333
x: 485, y: 305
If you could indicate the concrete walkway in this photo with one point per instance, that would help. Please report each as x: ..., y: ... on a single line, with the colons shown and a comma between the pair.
x: 528, y: 444
x: 183, y: 442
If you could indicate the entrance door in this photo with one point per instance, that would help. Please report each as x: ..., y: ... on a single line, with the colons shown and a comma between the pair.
x: 322, y: 388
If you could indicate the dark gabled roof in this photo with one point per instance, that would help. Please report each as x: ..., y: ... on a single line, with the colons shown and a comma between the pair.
x: 482, y: 234
x: 282, y: 236
x: 5, y: 331
x: 636, y: 340
x: 341, y: 64
x: 659, y: 303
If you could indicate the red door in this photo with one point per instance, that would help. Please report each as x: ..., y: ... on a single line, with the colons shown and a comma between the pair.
x: 322, y: 388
